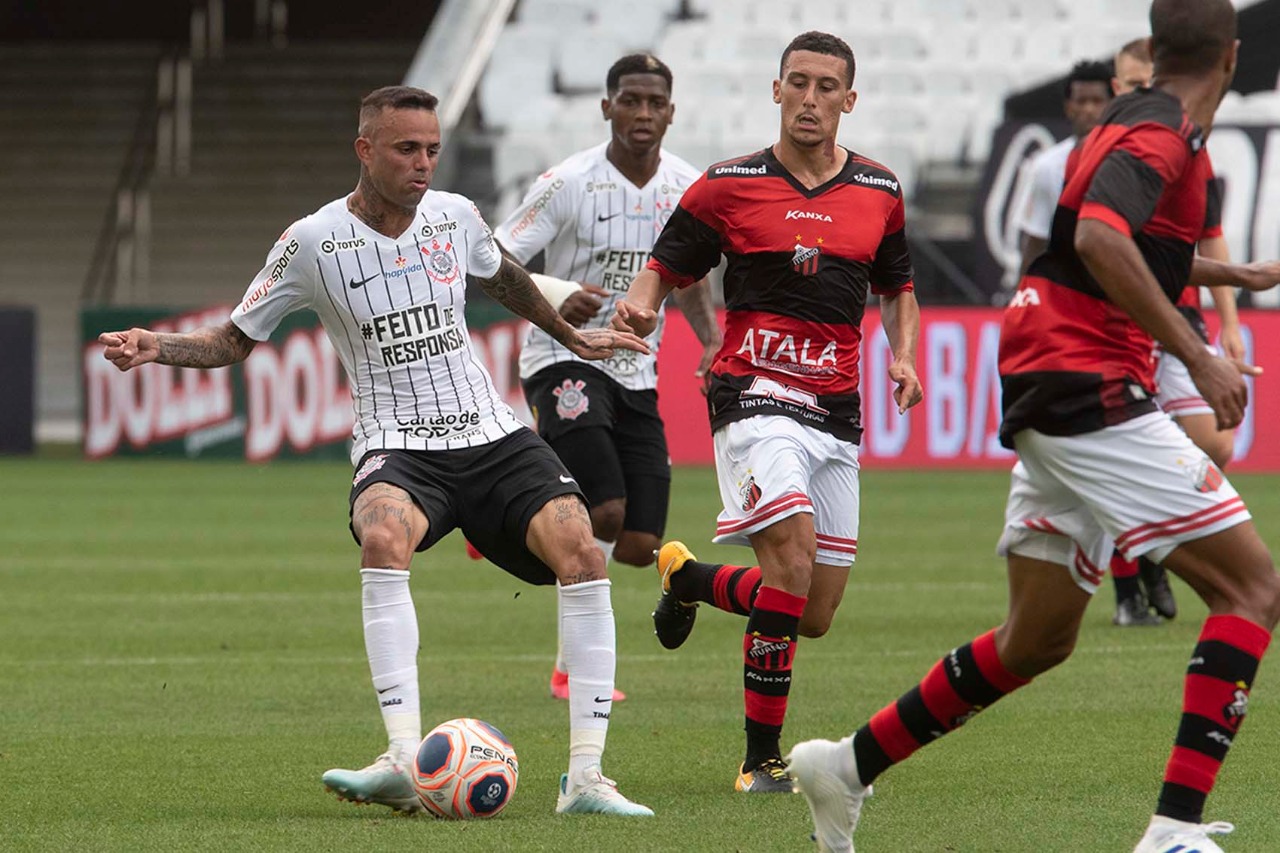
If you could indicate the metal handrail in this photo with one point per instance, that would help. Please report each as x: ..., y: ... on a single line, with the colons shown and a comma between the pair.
x: 99, y: 282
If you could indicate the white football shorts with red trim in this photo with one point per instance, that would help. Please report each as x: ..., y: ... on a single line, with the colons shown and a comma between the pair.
x: 771, y: 467
x: 1176, y: 394
x: 1142, y: 485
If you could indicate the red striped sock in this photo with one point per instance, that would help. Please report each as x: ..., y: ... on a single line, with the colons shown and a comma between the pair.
x: 960, y: 685
x: 1214, y: 700
x: 734, y: 588
x: 768, y: 649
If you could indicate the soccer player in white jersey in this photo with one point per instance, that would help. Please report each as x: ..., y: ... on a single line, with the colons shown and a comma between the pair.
x: 1086, y: 94
x: 435, y: 446
x: 596, y: 216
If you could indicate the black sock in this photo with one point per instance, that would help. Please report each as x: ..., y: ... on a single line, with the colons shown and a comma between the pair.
x: 762, y: 743
x: 1126, y: 587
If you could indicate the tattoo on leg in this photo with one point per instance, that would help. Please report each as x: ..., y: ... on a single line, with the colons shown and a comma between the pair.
x: 569, y: 507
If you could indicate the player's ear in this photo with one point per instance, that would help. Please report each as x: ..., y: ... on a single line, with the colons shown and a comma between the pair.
x: 364, y: 149
x: 777, y: 91
x: 606, y: 106
x: 849, y: 100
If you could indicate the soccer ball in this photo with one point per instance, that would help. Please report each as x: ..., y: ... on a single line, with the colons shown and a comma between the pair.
x: 465, y: 769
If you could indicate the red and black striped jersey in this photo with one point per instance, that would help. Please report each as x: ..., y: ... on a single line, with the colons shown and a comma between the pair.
x: 1189, y: 301
x: 1071, y: 361
x: 799, y: 265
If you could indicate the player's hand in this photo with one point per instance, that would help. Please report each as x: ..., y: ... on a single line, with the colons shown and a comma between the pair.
x: 1261, y: 275
x: 583, y: 305
x: 1220, y: 383
x: 599, y: 344
x: 632, y: 318
x: 127, y: 350
x: 1232, y: 342
x: 703, y: 373
x: 909, y: 390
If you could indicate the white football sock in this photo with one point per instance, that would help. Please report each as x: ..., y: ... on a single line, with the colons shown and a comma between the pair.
x: 391, y: 642
x: 607, y: 548
x: 590, y: 656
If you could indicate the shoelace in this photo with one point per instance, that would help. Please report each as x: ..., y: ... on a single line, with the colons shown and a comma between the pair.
x: 774, y: 768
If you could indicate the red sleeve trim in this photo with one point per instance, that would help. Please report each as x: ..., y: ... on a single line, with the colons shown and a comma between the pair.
x: 1102, y: 213
x: 1210, y: 233
x: 667, y: 274
x: 909, y: 287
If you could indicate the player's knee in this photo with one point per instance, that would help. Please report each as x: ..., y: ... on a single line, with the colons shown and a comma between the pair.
x: 636, y: 549
x: 385, y: 545
x: 1268, y: 594
x: 607, y: 520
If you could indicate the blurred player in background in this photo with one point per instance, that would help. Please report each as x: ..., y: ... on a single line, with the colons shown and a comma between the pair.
x: 596, y: 216
x: 810, y: 231
x: 1176, y: 393
x: 1086, y: 94
x: 1097, y: 461
x: 435, y: 446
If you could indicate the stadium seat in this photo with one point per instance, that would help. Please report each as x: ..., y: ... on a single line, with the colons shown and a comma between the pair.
x: 582, y: 63
x: 520, y: 70
x: 561, y: 14
x: 643, y: 23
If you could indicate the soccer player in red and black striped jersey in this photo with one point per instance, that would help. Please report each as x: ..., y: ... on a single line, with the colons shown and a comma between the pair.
x: 1097, y: 461
x: 810, y: 230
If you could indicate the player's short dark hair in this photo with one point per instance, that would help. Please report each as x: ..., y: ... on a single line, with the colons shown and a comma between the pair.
x: 1139, y: 49
x: 824, y: 43
x: 1190, y: 36
x: 1089, y: 71
x: 395, y: 98
x: 635, y: 63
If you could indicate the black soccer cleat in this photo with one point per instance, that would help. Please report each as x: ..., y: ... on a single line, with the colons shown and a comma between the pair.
x: 768, y: 777
x: 672, y: 618
x: 1155, y: 582
x: 1132, y: 612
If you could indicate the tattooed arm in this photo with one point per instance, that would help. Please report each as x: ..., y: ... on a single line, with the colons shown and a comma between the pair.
x: 695, y: 303
x: 211, y: 346
x: 512, y: 286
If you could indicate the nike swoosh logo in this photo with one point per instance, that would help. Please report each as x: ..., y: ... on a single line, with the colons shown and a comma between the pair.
x: 385, y: 689
x: 598, y: 699
x: 353, y: 284
x: 607, y: 218
x: 565, y: 479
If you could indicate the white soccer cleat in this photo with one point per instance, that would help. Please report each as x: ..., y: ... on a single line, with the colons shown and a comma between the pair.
x: 834, y: 802
x: 386, y: 782
x: 1166, y: 835
x: 596, y: 795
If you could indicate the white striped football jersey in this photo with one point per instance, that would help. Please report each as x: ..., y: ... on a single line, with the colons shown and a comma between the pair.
x: 595, y: 227
x: 393, y: 309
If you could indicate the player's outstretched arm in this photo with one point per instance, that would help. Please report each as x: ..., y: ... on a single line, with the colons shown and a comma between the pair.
x: 638, y: 310
x: 696, y: 306
x: 512, y: 287
x: 900, y: 316
x: 1259, y: 275
x: 1114, y: 260
x: 211, y: 346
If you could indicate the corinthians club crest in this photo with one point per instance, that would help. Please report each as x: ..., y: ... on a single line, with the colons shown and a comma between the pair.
x: 440, y: 263
x: 571, y: 399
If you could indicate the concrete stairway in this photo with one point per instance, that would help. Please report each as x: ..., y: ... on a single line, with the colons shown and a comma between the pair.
x: 272, y: 134
x: 67, y: 117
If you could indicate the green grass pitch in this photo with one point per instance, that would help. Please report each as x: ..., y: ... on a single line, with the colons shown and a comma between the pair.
x: 181, y: 658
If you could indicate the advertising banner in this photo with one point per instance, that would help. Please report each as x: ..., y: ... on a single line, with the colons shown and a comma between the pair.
x: 291, y: 398
x: 957, y: 425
